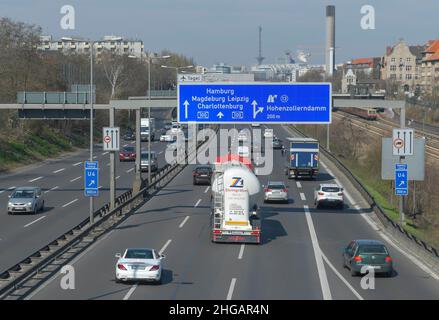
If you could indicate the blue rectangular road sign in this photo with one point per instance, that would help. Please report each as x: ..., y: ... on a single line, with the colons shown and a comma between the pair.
x: 91, y: 180
x: 254, y: 102
x: 401, y: 179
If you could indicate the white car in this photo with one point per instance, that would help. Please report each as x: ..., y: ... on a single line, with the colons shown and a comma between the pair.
x: 268, y: 133
x: 329, y: 194
x: 168, y: 138
x: 139, y: 264
x: 276, y: 191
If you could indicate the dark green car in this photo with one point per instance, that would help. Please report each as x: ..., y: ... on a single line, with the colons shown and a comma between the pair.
x: 371, y: 253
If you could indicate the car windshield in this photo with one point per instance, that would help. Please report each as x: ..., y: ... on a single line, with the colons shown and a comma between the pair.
x: 139, y: 254
x: 276, y: 186
x: 23, y: 194
x: 330, y: 189
x: 203, y: 170
x: 372, y: 248
x: 128, y: 149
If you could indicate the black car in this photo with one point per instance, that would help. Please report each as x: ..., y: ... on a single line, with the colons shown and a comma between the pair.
x: 277, y: 143
x: 202, y: 175
x: 129, y: 136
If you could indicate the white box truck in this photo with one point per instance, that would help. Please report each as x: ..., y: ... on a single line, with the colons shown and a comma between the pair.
x: 147, y: 129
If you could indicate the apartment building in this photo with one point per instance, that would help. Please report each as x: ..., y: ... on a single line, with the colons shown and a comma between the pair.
x: 429, y: 68
x: 401, y: 64
x: 114, y: 44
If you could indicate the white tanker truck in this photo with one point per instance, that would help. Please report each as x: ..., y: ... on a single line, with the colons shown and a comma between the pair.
x: 234, y: 209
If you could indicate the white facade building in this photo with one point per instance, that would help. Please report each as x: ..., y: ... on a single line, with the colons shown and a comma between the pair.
x: 114, y: 44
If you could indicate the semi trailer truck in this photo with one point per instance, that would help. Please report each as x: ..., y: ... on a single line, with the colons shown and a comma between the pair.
x: 235, y: 214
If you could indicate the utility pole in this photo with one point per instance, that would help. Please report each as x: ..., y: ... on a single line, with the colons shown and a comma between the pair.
x: 401, y: 158
x: 112, y: 167
x: 91, y: 125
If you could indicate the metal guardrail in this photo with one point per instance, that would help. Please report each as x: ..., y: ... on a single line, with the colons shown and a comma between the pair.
x: 14, y: 278
x: 379, y: 212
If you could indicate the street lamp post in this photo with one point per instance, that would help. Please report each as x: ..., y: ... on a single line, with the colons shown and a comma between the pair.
x: 149, y: 60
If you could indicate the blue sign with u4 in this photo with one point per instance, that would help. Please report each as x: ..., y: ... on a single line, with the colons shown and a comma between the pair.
x: 401, y: 179
x: 254, y: 102
x: 91, y: 180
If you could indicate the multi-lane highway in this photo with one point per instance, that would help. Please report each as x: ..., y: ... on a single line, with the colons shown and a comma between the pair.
x: 65, y: 204
x: 299, y: 258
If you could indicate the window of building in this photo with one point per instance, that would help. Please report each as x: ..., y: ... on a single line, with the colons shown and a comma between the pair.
x: 393, y: 68
x: 409, y: 59
x: 408, y: 76
x: 393, y: 60
x: 408, y: 68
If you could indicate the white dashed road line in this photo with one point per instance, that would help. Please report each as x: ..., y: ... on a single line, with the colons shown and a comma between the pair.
x: 71, y: 202
x: 31, y: 223
x: 207, y: 189
x: 73, y: 180
x: 231, y: 288
x: 302, y: 196
x: 165, y: 246
x: 36, y: 179
x: 128, y: 171
x: 105, y: 153
x: 76, y: 164
x: 8, y: 189
x: 60, y: 170
x: 198, y: 202
x: 184, y: 221
x: 241, y: 251
x: 54, y: 188
x: 299, y: 185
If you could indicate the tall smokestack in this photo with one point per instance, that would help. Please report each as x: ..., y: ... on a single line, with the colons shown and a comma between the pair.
x: 330, y: 40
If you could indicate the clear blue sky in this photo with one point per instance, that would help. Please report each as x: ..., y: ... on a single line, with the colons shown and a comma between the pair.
x: 213, y: 31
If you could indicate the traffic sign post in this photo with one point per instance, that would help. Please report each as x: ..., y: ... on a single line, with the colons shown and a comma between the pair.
x: 255, y: 102
x: 402, y: 142
x: 111, y: 138
x: 91, y: 179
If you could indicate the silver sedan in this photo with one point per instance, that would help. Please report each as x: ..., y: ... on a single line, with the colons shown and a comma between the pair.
x: 276, y: 191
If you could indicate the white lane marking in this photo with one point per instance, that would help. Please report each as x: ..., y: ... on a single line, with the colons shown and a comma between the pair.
x: 95, y: 157
x: 165, y: 246
x: 302, y: 196
x: 160, y: 152
x: 318, y: 256
x: 8, y: 189
x: 60, y: 170
x: 73, y: 180
x: 184, y: 221
x: 77, y: 164
x: 231, y: 288
x: 125, y: 145
x: 299, y: 185
x: 128, y: 171
x: 105, y: 153
x: 31, y: 223
x: 117, y: 177
x: 71, y: 202
x: 198, y: 202
x: 359, y: 297
x: 207, y: 189
x: 130, y: 292
x: 36, y: 179
x: 241, y: 251
x: 54, y: 188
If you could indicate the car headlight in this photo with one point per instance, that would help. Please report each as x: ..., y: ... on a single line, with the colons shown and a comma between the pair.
x: 29, y: 204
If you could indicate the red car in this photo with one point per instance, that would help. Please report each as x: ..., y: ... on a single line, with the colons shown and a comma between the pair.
x: 127, y: 154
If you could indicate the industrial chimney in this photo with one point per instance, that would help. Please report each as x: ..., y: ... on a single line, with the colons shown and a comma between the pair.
x: 330, y: 40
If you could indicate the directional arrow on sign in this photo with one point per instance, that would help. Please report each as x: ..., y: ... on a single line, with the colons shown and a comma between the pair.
x: 220, y: 114
x: 186, y: 104
x: 259, y: 110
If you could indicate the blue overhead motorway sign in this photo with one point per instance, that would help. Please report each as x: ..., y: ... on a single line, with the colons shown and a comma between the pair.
x: 254, y: 102
x: 91, y: 178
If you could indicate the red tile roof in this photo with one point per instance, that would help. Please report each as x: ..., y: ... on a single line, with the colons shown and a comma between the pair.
x: 433, y: 46
x: 433, y: 57
x: 362, y: 61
